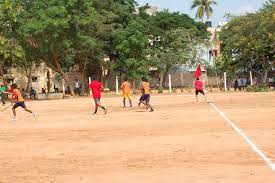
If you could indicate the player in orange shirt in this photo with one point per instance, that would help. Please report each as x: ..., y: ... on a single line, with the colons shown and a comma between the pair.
x: 145, y: 90
x: 126, y: 89
x: 19, y: 102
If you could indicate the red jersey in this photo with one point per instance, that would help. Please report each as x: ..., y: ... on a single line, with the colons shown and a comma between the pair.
x: 95, y: 86
x: 198, y: 85
x: 13, y: 96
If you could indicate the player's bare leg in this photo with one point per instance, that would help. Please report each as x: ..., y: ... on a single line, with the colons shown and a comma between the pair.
x: 98, y: 104
x: 14, y: 114
x: 130, y: 101
x: 124, y: 102
x: 96, y: 108
x: 34, y: 114
x: 148, y: 105
x: 205, y: 98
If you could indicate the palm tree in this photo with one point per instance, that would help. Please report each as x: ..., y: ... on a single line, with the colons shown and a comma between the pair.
x: 204, y: 7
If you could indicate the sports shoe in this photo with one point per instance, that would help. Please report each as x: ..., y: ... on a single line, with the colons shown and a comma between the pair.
x: 152, y: 110
x: 105, y: 111
x: 34, y: 115
x: 13, y: 119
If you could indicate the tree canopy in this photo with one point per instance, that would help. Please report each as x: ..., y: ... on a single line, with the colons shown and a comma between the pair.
x: 93, y: 36
x: 248, y: 41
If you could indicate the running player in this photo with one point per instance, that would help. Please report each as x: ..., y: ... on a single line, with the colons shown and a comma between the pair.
x: 2, y: 94
x: 19, y: 102
x: 96, y: 87
x: 126, y: 89
x: 145, y: 90
x: 199, y: 89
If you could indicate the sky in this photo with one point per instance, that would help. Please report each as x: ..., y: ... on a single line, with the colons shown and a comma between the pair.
x: 236, y: 7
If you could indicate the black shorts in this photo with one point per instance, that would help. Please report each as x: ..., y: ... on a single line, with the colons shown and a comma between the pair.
x: 145, y: 97
x: 199, y: 91
x: 19, y: 104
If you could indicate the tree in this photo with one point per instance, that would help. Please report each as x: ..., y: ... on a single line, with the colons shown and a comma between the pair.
x: 248, y: 41
x: 85, y: 46
x: 10, y: 51
x: 204, y: 7
x: 45, y: 26
x: 173, y: 38
x: 132, y: 44
x: 115, y: 15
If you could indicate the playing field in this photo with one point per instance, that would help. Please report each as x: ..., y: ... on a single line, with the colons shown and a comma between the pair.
x: 181, y: 142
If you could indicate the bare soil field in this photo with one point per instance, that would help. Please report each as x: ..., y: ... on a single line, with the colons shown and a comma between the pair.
x: 182, y: 141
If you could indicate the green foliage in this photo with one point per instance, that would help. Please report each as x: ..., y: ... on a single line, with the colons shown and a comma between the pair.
x: 66, y: 34
x: 132, y: 44
x: 10, y: 50
x: 248, y: 41
x: 204, y: 8
x: 174, y: 38
x: 160, y: 89
x: 257, y: 88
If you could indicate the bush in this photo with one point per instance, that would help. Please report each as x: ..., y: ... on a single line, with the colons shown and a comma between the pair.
x: 160, y: 89
x: 257, y: 88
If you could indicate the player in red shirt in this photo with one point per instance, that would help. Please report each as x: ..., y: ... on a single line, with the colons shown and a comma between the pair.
x: 199, y: 89
x: 96, y: 87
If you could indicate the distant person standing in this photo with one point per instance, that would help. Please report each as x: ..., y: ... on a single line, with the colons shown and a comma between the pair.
x: 244, y: 83
x: 236, y: 85
x: 33, y: 93
x: 96, y: 87
x: 55, y: 89
x: 126, y: 89
x: 239, y: 83
x: 270, y: 82
x: 24, y: 94
x: 3, y: 89
x: 255, y: 81
x: 248, y: 82
x: 77, y: 87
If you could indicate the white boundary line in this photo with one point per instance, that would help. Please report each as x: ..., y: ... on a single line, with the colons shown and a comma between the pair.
x: 254, y: 147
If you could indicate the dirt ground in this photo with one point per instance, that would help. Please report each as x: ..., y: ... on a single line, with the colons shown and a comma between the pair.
x: 181, y: 141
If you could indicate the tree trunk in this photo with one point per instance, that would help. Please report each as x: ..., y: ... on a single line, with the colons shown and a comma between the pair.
x: 66, y: 79
x: 57, y: 68
x: 29, y: 83
x: 134, y: 85
x: 265, y: 77
x: 29, y: 76
x: 1, y: 71
x: 160, y: 79
x: 83, y: 81
x: 81, y: 67
x: 164, y: 78
x: 107, y: 79
x: 165, y: 74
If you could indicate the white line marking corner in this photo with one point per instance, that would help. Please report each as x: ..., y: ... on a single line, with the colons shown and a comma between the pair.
x: 253, y: 146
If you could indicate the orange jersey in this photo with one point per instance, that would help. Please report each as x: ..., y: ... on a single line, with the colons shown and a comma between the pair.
x: 126, y: 87
x: 18, y: 95
x: 145, y: 88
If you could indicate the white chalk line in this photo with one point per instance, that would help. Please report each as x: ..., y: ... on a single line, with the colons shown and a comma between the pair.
x: 254, y: 147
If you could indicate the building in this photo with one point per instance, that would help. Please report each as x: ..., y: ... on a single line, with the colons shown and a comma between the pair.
x: 41, y: 77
